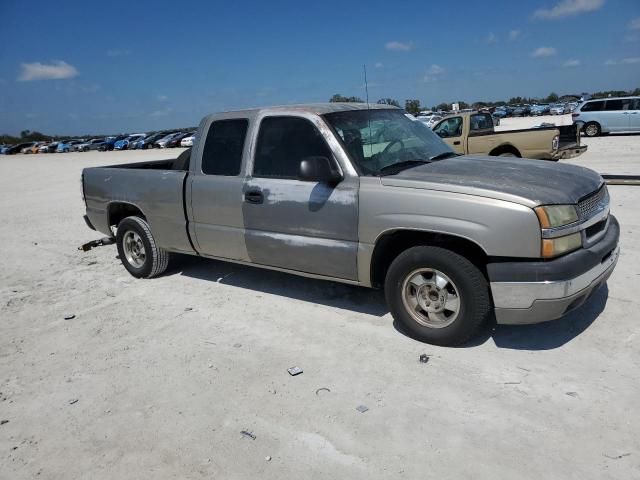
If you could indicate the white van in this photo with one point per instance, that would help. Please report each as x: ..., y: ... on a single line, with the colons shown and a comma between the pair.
x: 608, y: 115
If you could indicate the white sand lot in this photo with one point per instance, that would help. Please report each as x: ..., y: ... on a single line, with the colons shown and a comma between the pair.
x: 136, y: 386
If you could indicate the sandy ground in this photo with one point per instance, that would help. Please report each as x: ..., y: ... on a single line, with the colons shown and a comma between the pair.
x: 157, y: 378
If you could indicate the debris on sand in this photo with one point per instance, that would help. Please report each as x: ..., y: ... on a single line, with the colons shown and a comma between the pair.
x: 69, y: 316
x: 247, y: 434
x: 73, y: 400
x: 617, y: 457
x: 322, y: 389
x: 424, y: 358
x: 572, y: 394
x: 268, y: 458
x: 2, y: 422
x: 293, y: 371
x: 362, y: 408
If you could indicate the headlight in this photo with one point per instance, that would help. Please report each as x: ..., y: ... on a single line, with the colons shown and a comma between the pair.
x: 552, y: 247
x: 555, y: 143
x: 552, y: 216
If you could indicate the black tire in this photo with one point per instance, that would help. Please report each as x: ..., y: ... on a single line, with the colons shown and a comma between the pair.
x: 155, y: 260
x: 592, y: 129
x: 471, y: 287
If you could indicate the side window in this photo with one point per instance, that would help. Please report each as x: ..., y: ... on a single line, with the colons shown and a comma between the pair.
x: 283, y: 142
x: 593, y: 106
x: 481, y: 121
x: 635, y: 104
x: 449, y: 127
x: 222, y: 153
x: 615, y: 105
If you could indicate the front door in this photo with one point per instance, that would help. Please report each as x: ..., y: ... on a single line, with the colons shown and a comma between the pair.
x: 298, y: 225
x: 450, y: 130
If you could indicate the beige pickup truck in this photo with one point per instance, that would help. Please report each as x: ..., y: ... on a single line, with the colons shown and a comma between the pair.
x: 473, y: 133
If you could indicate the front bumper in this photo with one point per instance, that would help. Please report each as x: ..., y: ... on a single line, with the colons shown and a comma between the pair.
x: 569, y: 152
x: 541, y: 291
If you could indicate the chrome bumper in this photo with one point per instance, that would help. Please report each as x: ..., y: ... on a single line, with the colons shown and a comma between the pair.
x: 533, y: 302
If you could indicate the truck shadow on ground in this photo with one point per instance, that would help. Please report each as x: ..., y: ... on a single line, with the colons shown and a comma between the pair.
x: 544, y: 336
x: 331, y: 294
x: 548, y: 335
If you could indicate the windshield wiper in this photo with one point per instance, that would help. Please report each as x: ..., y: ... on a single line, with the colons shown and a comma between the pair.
x: 398, y: 167
x: 443, y: 155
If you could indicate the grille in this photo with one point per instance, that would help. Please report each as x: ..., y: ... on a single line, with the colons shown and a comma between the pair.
x: 593, y: 203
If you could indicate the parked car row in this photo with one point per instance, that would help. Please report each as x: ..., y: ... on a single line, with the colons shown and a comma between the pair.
x: 133, y: 141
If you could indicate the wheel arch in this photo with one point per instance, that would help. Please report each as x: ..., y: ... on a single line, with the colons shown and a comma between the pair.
x: 505, y: 148
x: 118, y: 211
x: 393, y: 242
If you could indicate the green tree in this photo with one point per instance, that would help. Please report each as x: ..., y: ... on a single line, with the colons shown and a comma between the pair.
x: 388, y: 101
x: 340, y: 98
x: 443, y: 106
x: 552, y: 98
x: 412, y: 106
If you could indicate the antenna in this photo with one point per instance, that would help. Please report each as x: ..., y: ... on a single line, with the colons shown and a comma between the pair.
x: 366, y: 88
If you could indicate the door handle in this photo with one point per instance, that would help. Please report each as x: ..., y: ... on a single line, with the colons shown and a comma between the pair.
x: 457, y: 142
x: 633, y: 113
x: 254, y: 196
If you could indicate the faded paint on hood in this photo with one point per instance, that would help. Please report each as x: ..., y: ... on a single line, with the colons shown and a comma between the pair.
x: 527, y: 182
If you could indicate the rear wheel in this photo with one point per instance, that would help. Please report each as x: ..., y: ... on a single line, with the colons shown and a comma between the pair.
x: 592, y: 129
x: 138, y: 250
x: 507, y: 154
x: 439, y: 296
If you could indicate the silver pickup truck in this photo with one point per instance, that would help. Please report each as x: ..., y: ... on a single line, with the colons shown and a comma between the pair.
x: 367, y: 196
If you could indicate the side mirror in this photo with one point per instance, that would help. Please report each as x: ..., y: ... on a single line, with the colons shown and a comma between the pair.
x: 318, y: 169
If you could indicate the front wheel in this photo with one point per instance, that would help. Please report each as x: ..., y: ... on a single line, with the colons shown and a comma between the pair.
x: 138, y: 250
x: 439, y: 296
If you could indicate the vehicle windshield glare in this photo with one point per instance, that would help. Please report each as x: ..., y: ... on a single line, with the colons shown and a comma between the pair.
x: 376, y: 139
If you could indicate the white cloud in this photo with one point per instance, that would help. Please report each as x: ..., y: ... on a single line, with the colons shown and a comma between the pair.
x: 433, y: 73
x: 160, y: 113
x: 624, y: 61
x: 571, y: 63
x: 379, y: 65
x: 491, y: 38
x: 399, y: 46
x: 162, y: 98
x: 56, y: 70
x: 117, y: 52
x: 634, y: 24
x: 568, y: 8
x: 514, y: 35
x: 544, y: 52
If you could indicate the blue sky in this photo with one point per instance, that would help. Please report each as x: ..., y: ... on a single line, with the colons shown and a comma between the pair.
x: 79, y: 67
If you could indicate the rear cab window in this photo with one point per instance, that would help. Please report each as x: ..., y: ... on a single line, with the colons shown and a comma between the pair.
x: 222, y: 154
x: 480, y: 123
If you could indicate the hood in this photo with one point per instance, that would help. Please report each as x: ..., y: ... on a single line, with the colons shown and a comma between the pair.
x: 527, y: 182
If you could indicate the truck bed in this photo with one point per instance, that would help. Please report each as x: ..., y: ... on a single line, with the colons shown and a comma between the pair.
x: 155, y: 188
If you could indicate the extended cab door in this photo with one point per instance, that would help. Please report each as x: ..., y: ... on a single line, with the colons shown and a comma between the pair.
x: 450, y: 130
x: 215, y: 189
x: 299, y: 225
x: 482, y: 137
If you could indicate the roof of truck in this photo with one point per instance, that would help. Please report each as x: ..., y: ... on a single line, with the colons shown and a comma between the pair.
x: 317, y: 108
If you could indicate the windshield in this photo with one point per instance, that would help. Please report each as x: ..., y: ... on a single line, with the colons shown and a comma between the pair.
x: 376, y: 139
